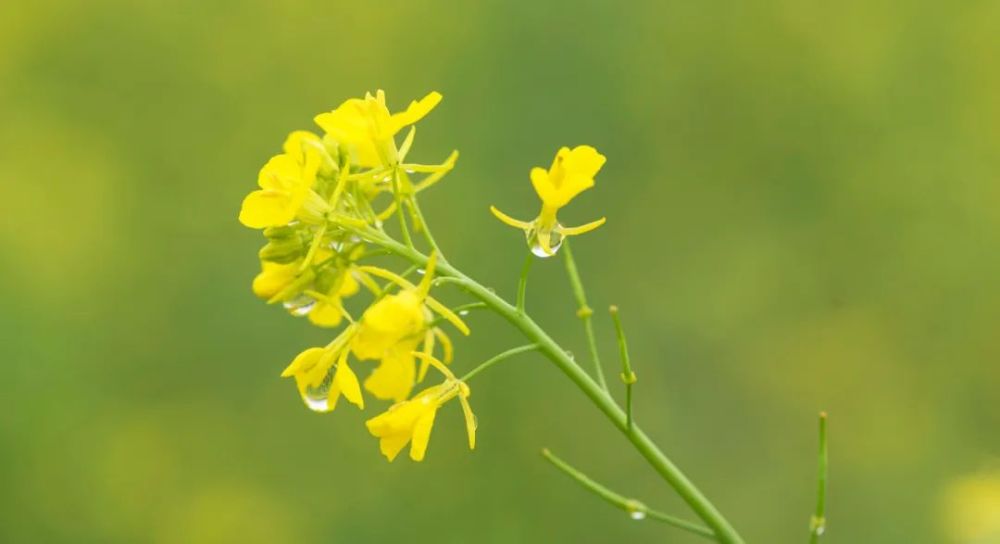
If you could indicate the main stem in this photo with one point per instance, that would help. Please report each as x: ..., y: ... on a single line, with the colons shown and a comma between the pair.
x: 700, y: 504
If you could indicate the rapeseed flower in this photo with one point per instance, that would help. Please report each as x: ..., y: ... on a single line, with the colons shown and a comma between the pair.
x: 394, y: 326
x: 411, y: 422
x: 286, y: 184
x: 322, y: 375
x: 571, y: 173
x: 366, y: 128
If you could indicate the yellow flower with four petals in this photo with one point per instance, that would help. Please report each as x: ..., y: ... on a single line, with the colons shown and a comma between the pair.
x: 571, y: 173
x: 286, y: 183
x: 411, y: 422
x: 366, y: 128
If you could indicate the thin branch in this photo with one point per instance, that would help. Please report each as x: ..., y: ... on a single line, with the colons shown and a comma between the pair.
x: 585, y: 313
x: 628, y: 376
x: 497, y: 358
x: 635, y: 509
x: 817, y: 525
x: 522, y: 284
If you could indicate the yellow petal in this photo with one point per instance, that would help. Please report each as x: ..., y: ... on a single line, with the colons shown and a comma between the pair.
x: 391, y: 445
x: 572, y: 172
x: 304, y: 362
x: 279, y: 172
x: 349, y: 286
x: 446, y: 345
x: 449, y: 315
x: 582, y: 229
x: 387, y: 323
x: 509, y: 220
x: 266, y: 208
x: 326, y: 314
x: 543, y: 186
x: 422, y: 435
x: 347, y: 382
x: 415, y: 112
x: 273, y: 278
x: 299, y: 142
x: 584, y: 161
x: 470, y: 418
x: 393, y: 379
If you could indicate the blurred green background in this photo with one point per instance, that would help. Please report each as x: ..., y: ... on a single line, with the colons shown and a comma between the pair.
x: 802, y: 206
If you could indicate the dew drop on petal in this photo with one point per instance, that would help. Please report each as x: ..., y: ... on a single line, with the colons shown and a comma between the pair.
x: 554, y: 237
x: 318, y: 398
x: 300, y: 306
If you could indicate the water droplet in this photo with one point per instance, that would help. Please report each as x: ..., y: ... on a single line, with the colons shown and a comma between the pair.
x: 637, y: 515
x: 820, y: 530
x: 554, y: 237
x: 421, y: 271
x: 463, y: 312
x: 318, y: 398
x: 299, y: 306
x: 408, y: 171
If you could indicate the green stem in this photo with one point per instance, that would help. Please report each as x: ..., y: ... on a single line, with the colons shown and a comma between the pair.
x: 497, y: 358
x: 628, y: 377
x: 398, y: 196
x: 585, y: 313
x: 700, y: 504
x: 635, y: 509
x: 522, y: 284
x: 817, y: 525
x: 423, y: 226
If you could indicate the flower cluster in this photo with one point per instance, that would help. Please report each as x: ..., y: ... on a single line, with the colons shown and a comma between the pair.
x: 315, y: 202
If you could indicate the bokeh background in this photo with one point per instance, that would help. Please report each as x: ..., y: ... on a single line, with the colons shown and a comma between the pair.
x: 802, y: 204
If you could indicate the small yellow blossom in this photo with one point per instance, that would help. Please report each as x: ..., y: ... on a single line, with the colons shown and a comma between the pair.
x: 393, y: 327
x: 412, y: 420
x: 322, y: 375
x: 572, y: 172
x: 366, y: 127
x: 285, y: 182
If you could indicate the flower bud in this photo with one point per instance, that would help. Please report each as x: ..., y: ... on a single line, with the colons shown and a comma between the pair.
x: 283, y: 250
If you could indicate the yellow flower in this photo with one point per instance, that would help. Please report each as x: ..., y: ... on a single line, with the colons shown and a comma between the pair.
x: 393, y: 327
x: 412, y: 420
x: 366, y: 128
x: 322, y: 375
x: 390, y: 321
x: 572, y: 172
x: 285, y: 185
